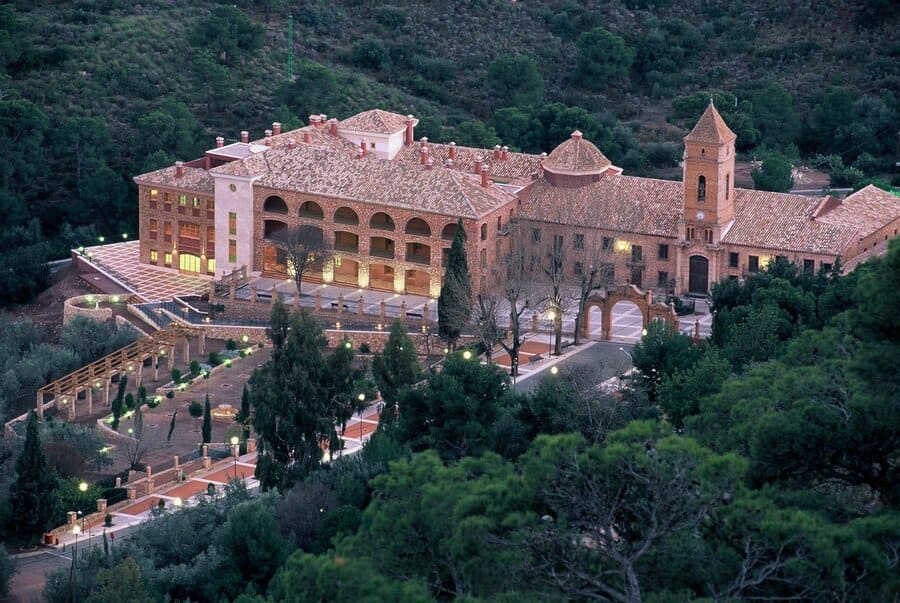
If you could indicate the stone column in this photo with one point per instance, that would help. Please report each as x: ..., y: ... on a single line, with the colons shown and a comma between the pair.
x: 425, y: 313
x: 399, y: 281
x: 231, y: 290
x: 155, y: 359
x: 382, y: 310
x: 71, y: 518
x: 140, y: 372
x: 274, y: 295
x: 202, y: 344
x: 89, y: 398
x: 534, y: 322
x: 360, y: 306
x: 251, y: 445
x: 403, y: 310
x: 175, y: 460
x: 132, y: 492
x: 72, y: 406
x: 101, y: 505
x: 118, y: 482
x: 340, y: 304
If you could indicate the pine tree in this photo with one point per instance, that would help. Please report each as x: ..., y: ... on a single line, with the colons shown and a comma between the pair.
x: 207, y: 422
x: 455, y: 301
x: 395, y: 368
x: 33, y: 494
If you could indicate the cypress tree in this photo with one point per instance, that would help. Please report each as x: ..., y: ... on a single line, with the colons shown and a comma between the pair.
x: 395, y: 368
x: 244, y: 415
x: 172, y: 426
x: 207, y: 422
x: 33, y: 494
x: 119, y: 401
x: 455, y: 301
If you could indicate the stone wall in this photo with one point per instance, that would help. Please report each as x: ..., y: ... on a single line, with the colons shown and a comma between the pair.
x: 79, y: 306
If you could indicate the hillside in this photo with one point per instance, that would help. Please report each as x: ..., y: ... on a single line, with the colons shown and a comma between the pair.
x: 97, y: 91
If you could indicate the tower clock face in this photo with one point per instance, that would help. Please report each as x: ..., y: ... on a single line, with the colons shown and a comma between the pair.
x: 700, y: 215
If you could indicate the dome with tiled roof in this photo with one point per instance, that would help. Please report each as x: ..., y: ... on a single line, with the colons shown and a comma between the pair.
x: 575, y: 162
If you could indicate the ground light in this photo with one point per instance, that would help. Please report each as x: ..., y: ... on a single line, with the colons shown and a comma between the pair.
x: 83, y: 486
x: 467, y: 355
x: 554, y: 370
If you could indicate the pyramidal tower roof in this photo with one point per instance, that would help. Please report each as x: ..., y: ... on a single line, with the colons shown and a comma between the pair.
x: 711, y: 128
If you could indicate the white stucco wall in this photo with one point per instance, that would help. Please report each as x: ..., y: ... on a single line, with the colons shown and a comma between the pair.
x: 386, y: 145
x: 239, y: 201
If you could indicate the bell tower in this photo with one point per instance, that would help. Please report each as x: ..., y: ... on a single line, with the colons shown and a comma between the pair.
x: 709, y: 172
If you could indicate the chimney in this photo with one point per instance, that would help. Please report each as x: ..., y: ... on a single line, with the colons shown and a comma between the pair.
x: 360, y: 153
x: 478, y: 161
x: 333, y: 123
x: 220, y: 142
x: 179, y: 169
x: 448, y: 163
x: 452, y: 150
x: 428, y: 163
x: 408, y: 137
x: 504, y: 153
x: 307, y: 137
x: 245, y: 136
x: 485, y: 178
x: 497, y: 152
x: 291, y: 145
x: 423, y: 153
x: 323, y: 118
x: 576, y: 135
x: 314, y: 121
x: 268, y: 133
x: 207, y: 162
x: 362, y: 145
x: 276, y: 128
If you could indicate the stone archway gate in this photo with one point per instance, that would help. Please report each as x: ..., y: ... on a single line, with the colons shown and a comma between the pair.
x: 129, y: 360
x: 642, y: 299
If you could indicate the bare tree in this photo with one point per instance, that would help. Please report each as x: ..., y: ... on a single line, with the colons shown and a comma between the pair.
x: 305, y: 249
x: 140, y: 440
x: 510, y: 289
x: 593, y: 254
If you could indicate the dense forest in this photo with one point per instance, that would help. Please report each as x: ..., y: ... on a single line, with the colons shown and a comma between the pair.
x: 95, y: 91
x: 758, y: 466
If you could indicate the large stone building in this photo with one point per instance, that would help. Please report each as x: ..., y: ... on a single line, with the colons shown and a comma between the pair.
x: 388, y: 205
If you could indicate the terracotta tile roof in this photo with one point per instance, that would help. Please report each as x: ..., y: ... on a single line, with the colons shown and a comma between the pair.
x: 194, y: 179
x: 711, y: 128
x: 319, y: 137
x: 576, y: 155
x: 866, y: 210
x: 517, y: 166
x: 781, y: 221
x: 317, y: 171
x: 375, y: 121
x: 616, y: 203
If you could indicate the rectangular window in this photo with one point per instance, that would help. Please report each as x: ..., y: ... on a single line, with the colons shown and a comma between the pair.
x: 707, y: 236
x: 536, y: 235
x: 182, y: 200
x: 733, y: 260
x: 210, y: 234
x: 637, y: 254
x: 154, y: 257
x: 662, y: 279
x: 196, y: 202
x: 167, y: 232
x: 154, y: 228
x: 607, y: 243
x: 607, y: 273
x: 579, y: 269
x: 663, y: 251
x: 232, y: 223
x: 753, y: 263
x: 579, y: 241
x: 210, y: 204
x: 809, y: 266
x: 232, y: 251
x: 690, y: 233
x: 168, y: 259
x: 153, y: 193
x: 499, y: 225
x: 211, y: 266
x: 826, y: 266
x: 636, y: 277
x: 558, y: 242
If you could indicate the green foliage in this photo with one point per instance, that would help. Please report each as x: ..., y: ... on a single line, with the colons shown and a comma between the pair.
x: 243, y: 414
x: 395, y: 368
x: 515, y: 80
x: 7, y: 571
x: 473, y: 133
x: 774, y: 174
x: 195, y: 409
x: 176, y: 375
x: 251, y: 546
x: 318, y: 392
x: 207, y: 422
x: 369, y: 53
x: 455, y: 300
x: 120, y: 583
x: 602, y: 55
x: 194, y: 368
x: 33, y: 494
x: 228, y: 33
x: 661, y: 354
x: 118, y: 403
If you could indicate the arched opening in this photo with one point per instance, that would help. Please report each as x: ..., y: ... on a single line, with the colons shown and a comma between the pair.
x: 593, y: 324
x: 381, y: 276
x: 346, y: 241
x: 270, y: 227
x: 417, y: 282
x: 727, y: 185
x: 345, y: 215
x: 698, y: 275
x: 311, y: 210
x: 381, y: 247
x: 418, y: 253
x: 701, y: 188
x: 275, y: 205
x: 627, y: 321
x: 484, y: 232
x: 346, y: 272
x: 449, y: 231
x: 418, y: 227
x: 382, y: 221
x: 483, y: 258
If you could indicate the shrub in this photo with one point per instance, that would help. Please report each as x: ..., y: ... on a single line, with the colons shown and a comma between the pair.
x: 214, y: 359
x: 108, y: 520
x: 364, y: 348
x: 390, y: 16
x: 195, y: 409
x: 195, y: 368
x: 369, y: 53
x: 230, y: 345
x: 176, y: 375
x: 211, y: 489
x: 129, y: 401
x: 170, y: 394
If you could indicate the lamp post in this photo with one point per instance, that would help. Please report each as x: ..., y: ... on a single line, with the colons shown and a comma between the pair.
x: 552, y: 316
x: 234, y: 453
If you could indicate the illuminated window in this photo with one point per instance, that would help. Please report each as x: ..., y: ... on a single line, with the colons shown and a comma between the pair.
x: 167, y: 259
x: 189, y: 262
x: 153, y: 193
x: 337, y: 261
x: 154, y: 257
x: 182, y: 199
x: 211, y: 266
x: 196, y: 202
x: 232, y: 223
x: 232, y: 251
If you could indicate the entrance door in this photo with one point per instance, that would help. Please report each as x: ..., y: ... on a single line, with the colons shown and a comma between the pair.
x: 698, y: 277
